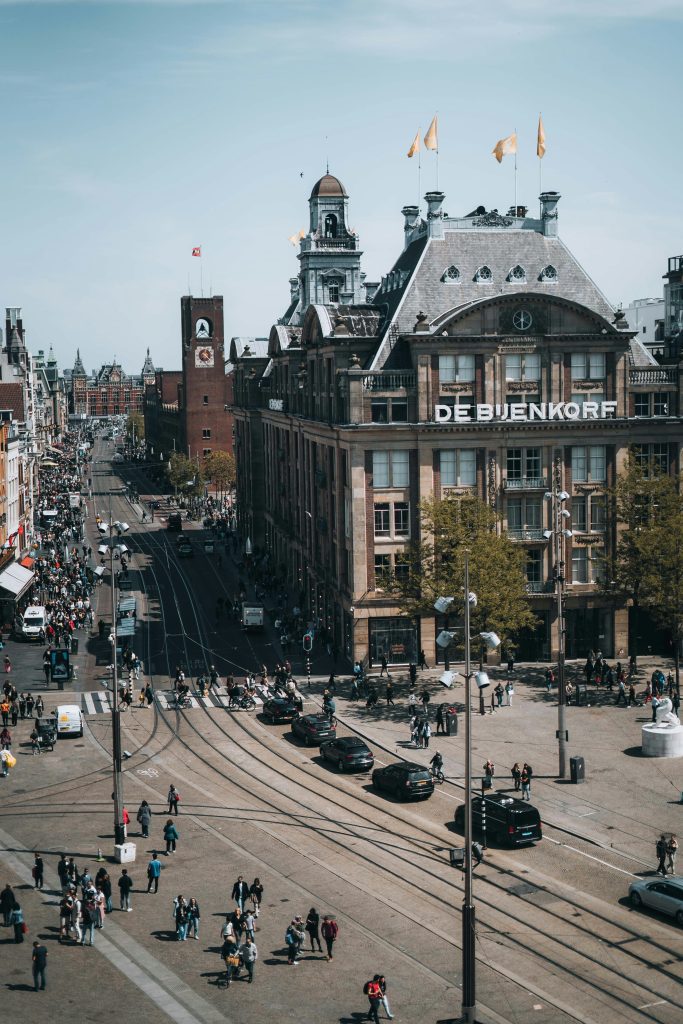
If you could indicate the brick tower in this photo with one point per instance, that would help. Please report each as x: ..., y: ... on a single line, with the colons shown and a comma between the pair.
x: 207, y: 426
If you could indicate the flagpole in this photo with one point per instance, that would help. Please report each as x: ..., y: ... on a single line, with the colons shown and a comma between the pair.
x: 419, y: 169
x: 516, y: 144
x: 437, y: 155
x: 201, y: 274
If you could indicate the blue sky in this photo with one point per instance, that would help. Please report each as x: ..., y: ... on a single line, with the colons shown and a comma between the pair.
x: 134, y: 131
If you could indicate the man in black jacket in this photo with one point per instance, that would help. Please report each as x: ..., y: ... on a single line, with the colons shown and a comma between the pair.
x: 240, y: 892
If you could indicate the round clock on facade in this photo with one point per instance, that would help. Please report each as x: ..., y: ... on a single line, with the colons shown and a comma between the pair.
x: 522, y: 319
x: 202, y: 328
x: 203, y: 356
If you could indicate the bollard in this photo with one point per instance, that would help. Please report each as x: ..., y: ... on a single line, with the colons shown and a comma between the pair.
x: 99, y: 856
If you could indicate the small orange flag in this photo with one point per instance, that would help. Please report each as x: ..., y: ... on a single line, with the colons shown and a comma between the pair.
x: 505, y: 147
x: 540, y: 141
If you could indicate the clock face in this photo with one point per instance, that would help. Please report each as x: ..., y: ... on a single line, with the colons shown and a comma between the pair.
x: 203, y: 356
x: 522, y: 319
x: 202, y: 328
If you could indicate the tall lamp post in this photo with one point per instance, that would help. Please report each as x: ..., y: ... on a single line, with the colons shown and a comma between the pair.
x: 491, y: 641
x: 115, y: 528
x: 558, y: 534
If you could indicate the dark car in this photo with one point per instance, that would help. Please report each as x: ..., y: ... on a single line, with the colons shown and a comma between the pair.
x: 312, y: 729
x: 509, y: 822
x: 348, y: 753
x: 281, y: 709
x: 47, y: 732
x: 406, y: 781
x: 174, y: 521
x: 185, y: 548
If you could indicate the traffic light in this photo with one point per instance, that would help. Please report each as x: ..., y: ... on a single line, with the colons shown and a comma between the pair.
x: 308, y: 643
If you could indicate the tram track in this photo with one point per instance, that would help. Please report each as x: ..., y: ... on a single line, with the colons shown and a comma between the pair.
x: 629, y: 935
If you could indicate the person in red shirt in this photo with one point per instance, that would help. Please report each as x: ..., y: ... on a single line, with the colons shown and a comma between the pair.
x: 373, y: 991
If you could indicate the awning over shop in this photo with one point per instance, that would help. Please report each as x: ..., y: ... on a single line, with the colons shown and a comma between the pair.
x: 16, y: 580
x: 27, y: 562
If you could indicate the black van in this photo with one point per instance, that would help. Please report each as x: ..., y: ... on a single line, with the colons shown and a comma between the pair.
x: 174, y: 522
x: 509, y: 822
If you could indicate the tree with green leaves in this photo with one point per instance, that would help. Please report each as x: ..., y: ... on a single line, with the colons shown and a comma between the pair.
x: 435, y: 568
x: 220, y: 470
x: 648, y: 561
x: 184, y: 474
x: 135, y: 427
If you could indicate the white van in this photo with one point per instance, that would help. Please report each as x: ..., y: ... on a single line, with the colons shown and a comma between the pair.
x: 69, y: 720
x: 34, y: 622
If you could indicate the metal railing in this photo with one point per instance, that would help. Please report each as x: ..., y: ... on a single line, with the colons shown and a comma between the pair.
x: 526, y: 533
x: 539, y: 587
x: 389, y: 380
x: 526, y: 483
x: 334, y: 243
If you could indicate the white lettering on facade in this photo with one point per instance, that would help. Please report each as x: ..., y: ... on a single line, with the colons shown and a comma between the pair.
x: 518, y: 412
x: 276, y: 404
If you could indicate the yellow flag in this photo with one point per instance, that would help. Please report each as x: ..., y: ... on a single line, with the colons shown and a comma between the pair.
x: 302, y: 234
x: 293, y: 239
x: 416, y: 144
x: 540, y: 142
x: 504, y: 147
x: 432, y: 136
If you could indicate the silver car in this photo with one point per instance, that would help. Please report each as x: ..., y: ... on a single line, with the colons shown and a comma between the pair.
x: 662, y: 894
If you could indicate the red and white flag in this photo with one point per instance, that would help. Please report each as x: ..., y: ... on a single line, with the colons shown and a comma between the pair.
x: 197, y: 251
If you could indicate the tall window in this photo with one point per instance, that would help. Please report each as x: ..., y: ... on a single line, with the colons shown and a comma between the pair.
x: 588, y: 365
x: 382, y: 571
x: 333, y: 292
x: 523, y: 366
x: 534, y: 565
x: 382, y: 520
x: 579, y: 565
x: 390, y: 469
x: 652, y: 458
x: 456, y: 369
x: 579, y: 515
x: 458, y: 467
x: 524, y: 514
x: 401, y: 518
x: 589, y: 463
x: 523, y: 462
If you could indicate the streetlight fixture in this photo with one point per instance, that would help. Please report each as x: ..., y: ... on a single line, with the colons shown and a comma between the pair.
x: 115, y: 530
x: 559, y: 533
x: 491, y: 641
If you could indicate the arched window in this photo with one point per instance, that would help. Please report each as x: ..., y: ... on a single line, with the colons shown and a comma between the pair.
x: 451, y: 274
x: 330, y: 226
x: 483, y: 274
x: 517, y: 275
x: 549, y: 273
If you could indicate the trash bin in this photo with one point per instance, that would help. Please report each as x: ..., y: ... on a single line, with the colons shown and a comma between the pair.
x: 450, y: 718
x: 577, y: 767
x: 74, y: 645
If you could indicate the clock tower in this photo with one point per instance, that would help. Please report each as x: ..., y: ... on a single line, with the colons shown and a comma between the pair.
x: 207, y: 426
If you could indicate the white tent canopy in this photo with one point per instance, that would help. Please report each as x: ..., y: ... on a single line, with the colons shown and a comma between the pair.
x: 16, y: 579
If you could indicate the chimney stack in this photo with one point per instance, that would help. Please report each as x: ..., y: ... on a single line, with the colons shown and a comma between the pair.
x: 549, y: 201
x: 434, y: 202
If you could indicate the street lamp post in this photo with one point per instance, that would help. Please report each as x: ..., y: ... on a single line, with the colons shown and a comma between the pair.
x: 558, y: 533
x: 469, y: 993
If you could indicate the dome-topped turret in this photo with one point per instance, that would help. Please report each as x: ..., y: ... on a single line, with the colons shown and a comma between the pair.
x: 328, y: 185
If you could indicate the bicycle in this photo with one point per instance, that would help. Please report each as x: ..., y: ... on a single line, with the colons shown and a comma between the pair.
x: 437, y: 775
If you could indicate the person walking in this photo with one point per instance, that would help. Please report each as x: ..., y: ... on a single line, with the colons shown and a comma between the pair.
x: 516, y: 773
x: 180, y: 917
x: 170, y: 836
x: 153, y: 872
x: 390, y: 694
x: 249, y: 957
x: 125, y: 884
x: 256, y: 893
x: 230, y: 953
x: 65, y: 911
x: 510, y: 691
x: 671, y: 851
x: 193, y: 917
x: 422, y: 661
x: 549, y: 679
x: 313, y: 929
x: 374, y: 993
x: 383, y: 663
x: 526, y: 784
x: 17, y: 921
x: 240, y: 893
x: 499, y: 691
x: 63, y: 871
x: 7, y: 901
x: 90, y: 915
x: 149, y: 695
x: 661, y: 854
x: 621, y: 691
x: 425, y: 733
x: 173, y: 799
x: 39, y: 966
x: 144, y: 817
x: 329, y: 930
x: 292, y: 940
x: 489, y: 772
x: 631, y: 695
x: 385, y: 1001
x: 38, y: 871
x: 249, y: 923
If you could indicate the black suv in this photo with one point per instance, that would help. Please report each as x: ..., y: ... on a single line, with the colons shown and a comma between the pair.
x: 280, y: 709
x: 406, y: 781
x: 509, y: 822
x: 313, y: 729
x: 348, y: 753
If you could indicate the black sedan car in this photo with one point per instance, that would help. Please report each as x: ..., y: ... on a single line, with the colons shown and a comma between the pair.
x: 313, y: 729
x: 280, y: 709
x: 348, y: 753
x: 404, y: 780
x: 509, y: 822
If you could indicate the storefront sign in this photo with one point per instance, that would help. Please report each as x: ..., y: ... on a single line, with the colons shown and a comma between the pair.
x: 519, y: 412
x: 276, y: 404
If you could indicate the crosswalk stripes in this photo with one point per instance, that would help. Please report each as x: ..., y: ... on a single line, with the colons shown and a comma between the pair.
x: 100, y: 703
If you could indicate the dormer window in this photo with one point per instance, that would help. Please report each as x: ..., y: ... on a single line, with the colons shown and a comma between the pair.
x: 451, y: 274
x: 517, y: 275
x: 549, y: 273
x: 483, y: 274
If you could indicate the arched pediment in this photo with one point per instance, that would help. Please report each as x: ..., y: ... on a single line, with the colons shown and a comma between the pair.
x: 539, y: 309
x: 316, y: 325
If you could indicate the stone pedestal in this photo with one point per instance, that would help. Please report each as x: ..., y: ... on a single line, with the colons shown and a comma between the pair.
x: 125, y: 853
x: 661, y: 740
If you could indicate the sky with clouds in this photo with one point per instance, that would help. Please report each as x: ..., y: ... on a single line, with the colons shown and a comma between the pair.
x: 136, y: 130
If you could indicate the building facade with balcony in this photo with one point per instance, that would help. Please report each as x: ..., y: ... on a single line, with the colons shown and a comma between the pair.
x: 486, y: 361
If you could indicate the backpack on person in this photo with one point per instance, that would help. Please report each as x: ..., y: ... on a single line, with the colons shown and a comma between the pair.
x: 366, y: 988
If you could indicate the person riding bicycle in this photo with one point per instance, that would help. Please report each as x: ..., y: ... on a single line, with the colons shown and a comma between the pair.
x: 329, y: 704
x: 436, y: 764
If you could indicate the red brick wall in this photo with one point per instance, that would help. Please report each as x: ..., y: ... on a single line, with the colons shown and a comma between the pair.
x: 202, y: 381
